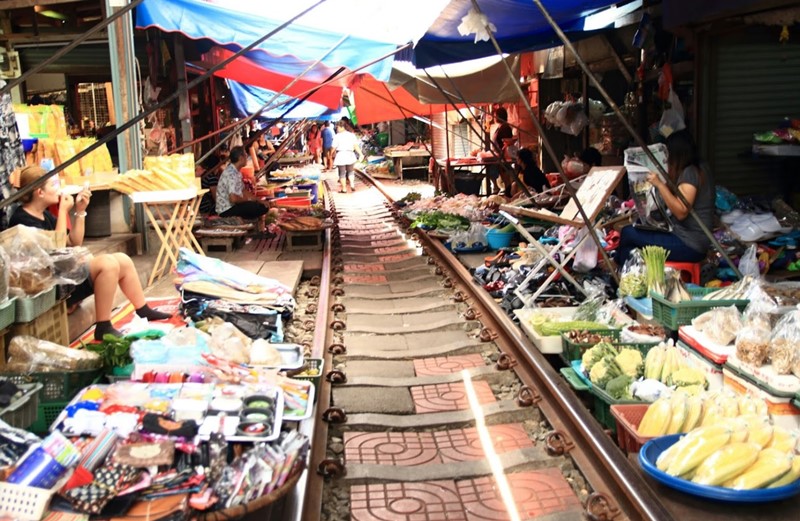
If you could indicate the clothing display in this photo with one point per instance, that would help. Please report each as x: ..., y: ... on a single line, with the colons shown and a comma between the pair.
x: 11, y: 153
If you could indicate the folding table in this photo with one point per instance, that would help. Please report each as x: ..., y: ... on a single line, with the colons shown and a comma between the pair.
x: 592, y: 196
x: 172, y: 214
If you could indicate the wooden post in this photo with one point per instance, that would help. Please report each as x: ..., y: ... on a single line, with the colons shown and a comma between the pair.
x: 183, y: 97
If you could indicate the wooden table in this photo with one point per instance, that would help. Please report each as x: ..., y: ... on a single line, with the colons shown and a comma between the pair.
x: 172, y: 214
x: 397, y: 157
x: 295, y: 160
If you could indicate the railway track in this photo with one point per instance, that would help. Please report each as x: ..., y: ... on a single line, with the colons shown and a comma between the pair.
x: 434, y: 404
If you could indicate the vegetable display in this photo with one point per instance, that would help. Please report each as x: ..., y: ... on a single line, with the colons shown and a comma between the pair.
x: 655, y: 257
x: 437, y: 219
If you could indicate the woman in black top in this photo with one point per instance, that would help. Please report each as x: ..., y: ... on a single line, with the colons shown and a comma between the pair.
x: 529, y: 173
x: 105, y: 272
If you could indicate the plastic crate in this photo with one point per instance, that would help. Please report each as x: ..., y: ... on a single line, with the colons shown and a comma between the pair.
x: 312, y: 363
x: 22, y: 412
x: 25, y: 503
x: 574, y: 351
x: 8, y: 310
x: 52, y: 325
x: 46, y: 415
x: 673, y: 315
x: 573, y: 379
x: 57, y: 387
x: 602, y: 408
x: 29, y: 308
x: 628, y: 417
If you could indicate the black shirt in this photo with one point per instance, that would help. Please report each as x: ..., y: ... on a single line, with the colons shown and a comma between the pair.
x: 20, y: 216
x: 534, y: 178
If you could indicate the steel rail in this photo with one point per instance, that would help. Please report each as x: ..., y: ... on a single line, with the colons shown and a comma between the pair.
x: 600, y: 461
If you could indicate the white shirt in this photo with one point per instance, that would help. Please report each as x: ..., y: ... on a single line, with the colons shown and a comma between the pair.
x: 345, y: 144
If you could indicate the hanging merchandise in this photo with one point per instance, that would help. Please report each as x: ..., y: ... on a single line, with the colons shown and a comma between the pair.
x: 11, y: 154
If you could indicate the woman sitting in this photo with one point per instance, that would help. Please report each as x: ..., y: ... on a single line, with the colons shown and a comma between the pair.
x: 528, y: 174
x: 104, y: 272
x: 686, y: 242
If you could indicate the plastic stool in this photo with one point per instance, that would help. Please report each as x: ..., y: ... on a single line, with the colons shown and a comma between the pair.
x: 692, y: 268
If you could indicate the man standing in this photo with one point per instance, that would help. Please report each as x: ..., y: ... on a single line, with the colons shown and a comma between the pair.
x: 327, y: 145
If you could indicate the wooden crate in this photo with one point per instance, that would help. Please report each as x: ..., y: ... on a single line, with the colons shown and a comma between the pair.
x: 303, y: 241
x: 51, y: 325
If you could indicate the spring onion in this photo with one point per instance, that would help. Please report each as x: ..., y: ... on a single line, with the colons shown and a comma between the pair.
x: 655, y: 257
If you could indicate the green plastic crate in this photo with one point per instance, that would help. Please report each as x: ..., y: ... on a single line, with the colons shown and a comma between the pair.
x: 8, y: 310
x: 58, y: 387
x: 573, y: 351
x: 21, y: 413
x: 47, y: 414
x: 574, y: 380
x: 673, y: 315
x: 602, y: 408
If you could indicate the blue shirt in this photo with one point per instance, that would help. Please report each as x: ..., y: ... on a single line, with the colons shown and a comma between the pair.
x: 327, y: 137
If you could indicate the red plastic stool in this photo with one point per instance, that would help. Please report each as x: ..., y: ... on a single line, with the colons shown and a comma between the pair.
x: 692, y: 268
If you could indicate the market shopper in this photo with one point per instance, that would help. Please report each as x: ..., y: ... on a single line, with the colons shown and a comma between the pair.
x: 346, y: 150
x: 104, y: 272
x: 502, y: 133
x: 327, y: 135
x: 686, y: 242
x: 314, y: 140
x: 260, y: 151
x: 233, y: 199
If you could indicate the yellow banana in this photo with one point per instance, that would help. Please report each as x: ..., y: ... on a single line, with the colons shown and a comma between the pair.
x: 693, y: 413
x: 680, y: 408
x: 726, y: 463
x: 770, y: 466
x: 694, y: 450
x: 789, y: 477
x: 656, y: 419
x: 783, y: 440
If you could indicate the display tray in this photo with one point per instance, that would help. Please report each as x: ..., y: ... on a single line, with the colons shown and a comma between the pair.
x: 641, y: 305
x: 698, y: 341
x: 765, y: 377
x: 209, y: 418
x: 651, y: 450
x: 291, y: 357
x: 545, y: 344
x: 302, y: 411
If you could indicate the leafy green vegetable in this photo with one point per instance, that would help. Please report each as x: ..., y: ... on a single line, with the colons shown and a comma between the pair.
x: 437, y: 219
x: 116, y: 351
x: 619, y: 388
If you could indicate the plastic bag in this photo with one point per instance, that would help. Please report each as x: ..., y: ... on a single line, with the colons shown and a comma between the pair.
x: 27, y: 354
x: 672, y: 118
x: 633, y: 279
x: 586, y: 254
x: 748, y: 263
x: 4, y: 262
x: 476, y: 235
x: 30, y: 266
x: 588, y: 309
x: 720, y: 325
x: 785, y: 342
x: 70, y: 265
x: 752, y: 345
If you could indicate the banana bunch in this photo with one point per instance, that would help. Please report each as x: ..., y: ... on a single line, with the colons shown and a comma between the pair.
x: 739, y: 453
x: 134, y: 181
x: 302, y: 224
x: 682, y: 412
x: 665, y: 363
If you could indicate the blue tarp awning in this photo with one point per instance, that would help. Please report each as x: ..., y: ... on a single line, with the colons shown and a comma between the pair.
x: 520, y: 27
x: 248, y: 100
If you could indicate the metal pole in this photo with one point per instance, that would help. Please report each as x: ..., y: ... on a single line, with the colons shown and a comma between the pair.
x: 634, y: 134
x: 552, y: 155
x: 64, y: 50
x: 33, y: 186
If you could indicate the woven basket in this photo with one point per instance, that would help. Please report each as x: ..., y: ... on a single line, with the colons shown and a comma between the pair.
x: 240, y: 511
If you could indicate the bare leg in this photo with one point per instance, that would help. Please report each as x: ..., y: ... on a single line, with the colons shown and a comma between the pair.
x: 129, y: 280
x: 105, y: 272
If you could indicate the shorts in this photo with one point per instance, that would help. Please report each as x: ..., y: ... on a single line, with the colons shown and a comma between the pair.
x: 345, y: 170
x: 82, y: 290
x: 250, y: 210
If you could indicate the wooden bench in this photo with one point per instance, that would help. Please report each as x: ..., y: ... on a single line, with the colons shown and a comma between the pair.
x: 227, y: 238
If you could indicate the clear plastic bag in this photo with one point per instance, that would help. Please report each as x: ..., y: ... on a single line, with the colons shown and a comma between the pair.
x: 748, y: 263
x: 30, y: 267
x: 785, y: 342
x: 4, y: 263
x: 633, y: 279
x: 70, y: 265
x: 27, y: 354
x: 586, y: 254
x: 752, y: 345
x: 720, y: 325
